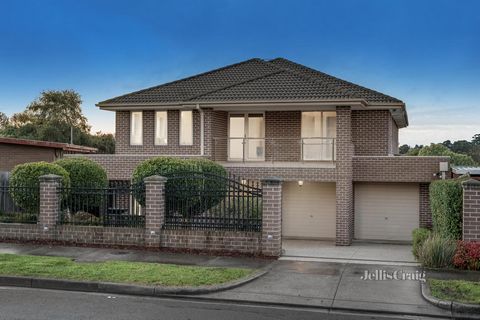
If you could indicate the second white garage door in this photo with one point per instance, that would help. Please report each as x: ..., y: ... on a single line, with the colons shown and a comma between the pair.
x: 308, y: 210
x: 386, y: 211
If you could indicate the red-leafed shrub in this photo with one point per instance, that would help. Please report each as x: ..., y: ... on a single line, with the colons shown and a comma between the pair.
x: 467, y: 255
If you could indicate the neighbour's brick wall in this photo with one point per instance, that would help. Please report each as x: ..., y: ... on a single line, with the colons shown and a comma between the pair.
x: 122, y: 135
x: 11, y: 155
x: 226, y: 241
x: 344, y: 183
x: 371, y: 132
x: 272, y: 217
x: 396, y: 168
x: 98, y: 235
x: 425, y: 212
x: 471, y: 210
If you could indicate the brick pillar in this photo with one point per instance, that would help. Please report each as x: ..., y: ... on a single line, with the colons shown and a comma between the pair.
x: 471, y: 210
x: 272, y: 217
x: 425, y: 213
x: 208, y: 138
x: 49, y: 202
x: 344, y: 184
x: 154, y: 209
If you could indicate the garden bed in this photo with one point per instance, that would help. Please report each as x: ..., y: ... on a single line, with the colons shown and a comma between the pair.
x: 455, y: 290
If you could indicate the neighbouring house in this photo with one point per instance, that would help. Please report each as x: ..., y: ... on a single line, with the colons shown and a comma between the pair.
x: 16, y: 151
x: 473, y: 172
x: 333, y: 143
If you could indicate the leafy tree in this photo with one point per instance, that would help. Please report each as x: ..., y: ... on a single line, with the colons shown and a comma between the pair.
x: 57, y: 107
x: 414, y: 151
x: 404, y: 149
x: 3, y: 120
x: 441, y: 150
x: 476, y: 139
x: 54, y: 116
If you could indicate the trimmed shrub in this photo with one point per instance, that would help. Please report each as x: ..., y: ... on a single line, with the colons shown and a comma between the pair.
x: 84, y: 172
x: 437, y: 252
x: 446, y: 203
x: 419, y: 236
x: 467, y: 255
x: 27, y: 175
x: 194, y: 192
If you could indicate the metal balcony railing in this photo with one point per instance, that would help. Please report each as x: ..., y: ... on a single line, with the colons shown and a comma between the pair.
x: 274, y: 149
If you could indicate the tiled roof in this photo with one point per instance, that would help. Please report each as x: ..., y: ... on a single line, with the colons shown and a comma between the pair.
x: 48, y: 144
x: 254, y: 80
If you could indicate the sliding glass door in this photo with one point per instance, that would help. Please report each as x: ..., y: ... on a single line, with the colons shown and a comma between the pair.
x: 246, y: 137
x: 319, y: 130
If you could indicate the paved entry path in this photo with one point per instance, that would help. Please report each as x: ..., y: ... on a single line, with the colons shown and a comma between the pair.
x: 336, y: 286
x: 358, y: 252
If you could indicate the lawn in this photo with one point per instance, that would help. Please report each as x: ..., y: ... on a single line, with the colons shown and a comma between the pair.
x: 455, y: 290
x: 117, y: 271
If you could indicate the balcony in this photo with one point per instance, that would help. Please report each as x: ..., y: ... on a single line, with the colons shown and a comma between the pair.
x: 274, y: 150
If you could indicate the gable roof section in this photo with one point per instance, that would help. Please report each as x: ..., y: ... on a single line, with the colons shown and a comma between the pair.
x: 258, y: 80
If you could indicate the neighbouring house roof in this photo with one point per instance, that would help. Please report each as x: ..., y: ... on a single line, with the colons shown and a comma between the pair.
x: 48, y: 144
x: 460, y: 170
x: 256, y: 80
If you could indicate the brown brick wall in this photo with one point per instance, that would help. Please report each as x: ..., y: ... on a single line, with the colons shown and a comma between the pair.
x: 11, y: 155
x: 344, y: 183
x: 227, y: 241
x: 396, y: 168
x: 425, y: 212
x: 122, y: 135
x: 219, y: 135
x: 471, y: 210
x: 285, y: 127
x: 371, y: 132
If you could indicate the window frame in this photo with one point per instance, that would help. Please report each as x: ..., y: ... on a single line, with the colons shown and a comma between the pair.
x: 180, y: 126
x: 156, y: 137
x: 132, y: 127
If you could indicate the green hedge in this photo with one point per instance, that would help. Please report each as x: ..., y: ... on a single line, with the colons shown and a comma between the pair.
x: 192, y: 192
x: 84, y: 172
x: 27, y: 175
x: 446, y: 203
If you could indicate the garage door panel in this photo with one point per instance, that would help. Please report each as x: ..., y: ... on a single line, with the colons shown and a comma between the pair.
x: 308, y: 210
x: 386, y: 211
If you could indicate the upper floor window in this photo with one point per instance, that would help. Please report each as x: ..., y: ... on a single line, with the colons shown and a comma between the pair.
x: 246, y: 137
x: 161, y: 128
x: 319, y: 130
x: 186, y: 128
x: 136, y: 128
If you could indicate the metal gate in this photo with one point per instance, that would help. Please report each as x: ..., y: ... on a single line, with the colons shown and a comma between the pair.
x: 204, y: 201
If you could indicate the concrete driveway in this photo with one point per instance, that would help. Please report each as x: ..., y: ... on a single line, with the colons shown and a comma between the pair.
x: 336, y: 286
x: 358, y: 252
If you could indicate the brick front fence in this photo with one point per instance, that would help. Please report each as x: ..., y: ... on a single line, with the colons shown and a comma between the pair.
x: 471, y: 210
x: 153, y: 235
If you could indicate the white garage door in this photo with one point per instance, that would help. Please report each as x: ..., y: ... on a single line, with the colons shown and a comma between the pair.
x: 308, y: 210
x: 386, y: 211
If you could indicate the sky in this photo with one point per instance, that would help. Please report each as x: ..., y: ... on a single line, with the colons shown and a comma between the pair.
x: 426, y: 53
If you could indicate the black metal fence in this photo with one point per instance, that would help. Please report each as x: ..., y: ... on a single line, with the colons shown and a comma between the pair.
x: 203, y: 201
x: 11, y: 196
x: 115, y: 206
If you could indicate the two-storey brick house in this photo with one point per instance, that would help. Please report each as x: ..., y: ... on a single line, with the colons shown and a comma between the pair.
x: 334, y: 143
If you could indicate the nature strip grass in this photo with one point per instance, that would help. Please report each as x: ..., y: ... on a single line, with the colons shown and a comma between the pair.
x: 455, y: 290
x: 145, y: 273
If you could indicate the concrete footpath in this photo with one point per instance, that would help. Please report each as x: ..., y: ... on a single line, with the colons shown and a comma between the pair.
x: 335, y: 286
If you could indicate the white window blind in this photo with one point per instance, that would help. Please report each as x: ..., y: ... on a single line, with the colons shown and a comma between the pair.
x: 161, y: 128
x: 186, y: 127
x: 136, y: 128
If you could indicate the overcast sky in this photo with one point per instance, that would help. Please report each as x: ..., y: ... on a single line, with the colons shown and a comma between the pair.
x: 426, y: 53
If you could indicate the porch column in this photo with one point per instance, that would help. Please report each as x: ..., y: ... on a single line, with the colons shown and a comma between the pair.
x: 471, y: 210
x: 272, y: 217
x: 344, y: 184
x: 154, y: 209
x: 49, y: 204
